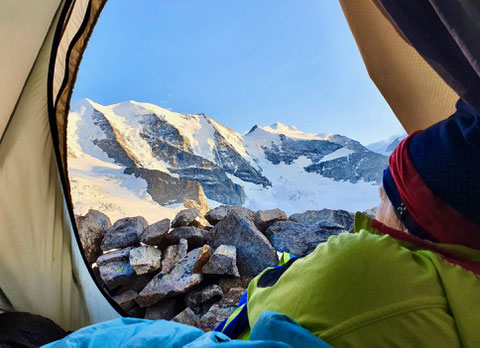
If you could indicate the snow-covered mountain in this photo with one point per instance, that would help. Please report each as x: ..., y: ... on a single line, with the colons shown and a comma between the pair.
x: 386, y: 147
x: 140, y: 159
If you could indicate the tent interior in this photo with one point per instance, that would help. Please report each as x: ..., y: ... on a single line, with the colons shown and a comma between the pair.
x: 42, y: 267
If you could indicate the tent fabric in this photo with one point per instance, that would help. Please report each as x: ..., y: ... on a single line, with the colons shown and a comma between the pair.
x: 415, y: 92
x: 446, y: 34
x: 22, y: 30
x: 42, y: 270
x: 68, y: 58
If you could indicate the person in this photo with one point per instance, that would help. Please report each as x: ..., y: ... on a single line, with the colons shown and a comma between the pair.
x: 411, y: 276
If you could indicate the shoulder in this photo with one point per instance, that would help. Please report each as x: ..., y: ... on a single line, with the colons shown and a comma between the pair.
x: 358, y: 250
x: 366, y: 266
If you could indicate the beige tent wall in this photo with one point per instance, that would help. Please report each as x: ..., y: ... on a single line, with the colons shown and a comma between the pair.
x: 41, y: 270
x: 414, y: 91
x: 19, y: 47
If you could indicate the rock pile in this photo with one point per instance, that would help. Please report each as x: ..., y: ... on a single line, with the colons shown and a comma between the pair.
x: 195, y: 269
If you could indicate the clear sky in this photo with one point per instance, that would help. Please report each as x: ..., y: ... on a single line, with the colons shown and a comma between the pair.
x: 242, y: 62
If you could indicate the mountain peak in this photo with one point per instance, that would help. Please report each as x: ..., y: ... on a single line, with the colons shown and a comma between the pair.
x: 289, y: 131
x: 282, y: 127
x: 253, y: 129
x: 85, y: 103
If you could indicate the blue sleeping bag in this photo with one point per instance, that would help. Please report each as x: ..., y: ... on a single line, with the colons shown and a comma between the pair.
x: 271, y: 330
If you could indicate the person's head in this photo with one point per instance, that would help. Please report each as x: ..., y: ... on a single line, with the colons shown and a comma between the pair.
x: 386, y: 213
x: 432, y: 184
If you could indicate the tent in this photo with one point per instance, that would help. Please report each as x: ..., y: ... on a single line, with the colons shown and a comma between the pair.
x: 42, y: 268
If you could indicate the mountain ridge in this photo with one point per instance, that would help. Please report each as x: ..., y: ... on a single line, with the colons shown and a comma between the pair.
x: 146, y: 140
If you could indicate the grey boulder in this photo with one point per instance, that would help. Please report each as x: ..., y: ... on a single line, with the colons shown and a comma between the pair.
x: 178, y: 281
x: 232, y: 297
x: 254, y: 251
x: 312, y: 217
x: 219, y: 213
x: 163, y: 310
x: 185, y: 217
x: 125, y: 232
x: 115, y: 269
x: 145, y: 259
x: 126, y: 300
x: 154, y: 233
x: 222, y: 262
x: 198, y: 297
x: 215, y: 315
x: 298, y: 239
x: 187, y: 316
x: 265, y: 218
x: 91, y: 229
x: 194, y: 236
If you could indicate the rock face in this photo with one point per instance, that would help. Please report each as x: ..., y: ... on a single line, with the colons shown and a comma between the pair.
x: 299, y: 239
x: 185, y: 217
x: 154, y: 233
x: 125, y: 232
x: 194, y: 236
x: 312, y: 217
x: 180, y: 279
x: 254, y: 251
x: 145, y: 259
x: 265, y: 218
x: 92, y: 228
x: 290, y: 150
x: 115, y: 268
x: 223, y: 262
x: 219, y: 213
x: 367, y: 166
x: 166, y: 189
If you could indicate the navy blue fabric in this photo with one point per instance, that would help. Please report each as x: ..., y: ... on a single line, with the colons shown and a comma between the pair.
x: 401, y: 210
x: 446, y: 34
x: 239, y: 324
x: 447, y: 157
x: 271, y: 276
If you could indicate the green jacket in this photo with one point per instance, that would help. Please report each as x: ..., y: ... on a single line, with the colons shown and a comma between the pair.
x: 370, y: 290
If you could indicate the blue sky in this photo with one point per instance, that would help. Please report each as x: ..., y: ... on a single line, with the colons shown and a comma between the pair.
x: 242, y: 62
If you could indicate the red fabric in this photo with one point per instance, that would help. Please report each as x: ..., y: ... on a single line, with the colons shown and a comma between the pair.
x: 443, y: 222
x: 425, y: 244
